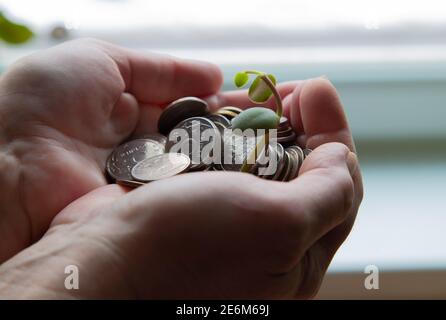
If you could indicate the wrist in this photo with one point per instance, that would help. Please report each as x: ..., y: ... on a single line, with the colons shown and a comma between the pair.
x: 65, y: 264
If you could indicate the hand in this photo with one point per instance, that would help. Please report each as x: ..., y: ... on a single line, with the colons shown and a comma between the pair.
x: 63, y: 110
x: 207, y: 234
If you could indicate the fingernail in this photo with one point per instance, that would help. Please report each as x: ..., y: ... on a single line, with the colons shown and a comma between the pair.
x: 352, y: 162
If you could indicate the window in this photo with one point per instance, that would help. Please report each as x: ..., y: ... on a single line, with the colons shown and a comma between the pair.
x: 387, y: 59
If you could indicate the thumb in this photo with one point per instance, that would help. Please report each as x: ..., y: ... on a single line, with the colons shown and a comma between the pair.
x: 324, y: 190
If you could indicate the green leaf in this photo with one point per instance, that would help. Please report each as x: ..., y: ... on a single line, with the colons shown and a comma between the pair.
x: 12, y: 32
x: 256, y: 118
x: 240, y: 79
x: 259, y: 91
x: 272, y: 78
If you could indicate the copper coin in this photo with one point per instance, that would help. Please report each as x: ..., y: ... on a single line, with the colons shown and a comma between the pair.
x: 233, y: 109
x: 180, y: 110
x: 130, y: 183
x: 228, y: 114
x: 218, y: 118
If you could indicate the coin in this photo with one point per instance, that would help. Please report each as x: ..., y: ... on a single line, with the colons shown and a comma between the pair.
x: 218, y: 118
x: 231, y: 108
x: 284, y: 123
x: 124, y: 157
x: 154, y: 136
x: 144, y: 159
x: 276, y: 153
x: 295, y: 163
x: 180, y: 110
x: 307, y: 152
x: 280, y: 162
x: 130, y: 183
x: 194, y: 128
x: 236, y: 148
x: 160, y: 167
x: 287, y: 167
x: 228, y: 114
x: 220, y: 128
x: 285, y: 133
x: 291, y: 138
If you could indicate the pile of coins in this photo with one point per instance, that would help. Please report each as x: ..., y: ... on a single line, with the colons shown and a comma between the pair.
x: 153, y: 157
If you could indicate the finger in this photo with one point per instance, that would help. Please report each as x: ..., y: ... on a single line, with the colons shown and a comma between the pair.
x: 317, y: 110
x: 324, y: 192
x: 159, y: 79
x: 124, y: 116
x: 240, y: 98
x: 148, y: 120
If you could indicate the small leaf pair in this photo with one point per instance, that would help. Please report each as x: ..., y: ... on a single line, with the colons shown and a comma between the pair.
x: 259, y: 90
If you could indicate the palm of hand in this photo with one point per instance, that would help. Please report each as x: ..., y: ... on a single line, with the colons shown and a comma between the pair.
x: 73, y: 114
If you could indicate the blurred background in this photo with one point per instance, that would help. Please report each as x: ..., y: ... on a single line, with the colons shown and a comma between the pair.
x: 388, y: 61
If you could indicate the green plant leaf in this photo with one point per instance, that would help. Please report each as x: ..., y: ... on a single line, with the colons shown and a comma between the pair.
x: 259, y: 91
x: 12, y: 32
x: 256, y: 118
x: 240, y: 79
x: 272, y: 78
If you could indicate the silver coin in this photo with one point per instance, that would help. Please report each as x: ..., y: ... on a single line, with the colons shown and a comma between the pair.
x: 160, y: 167
x: 280, y: 154
x: 275, y: 153
x: 180, y: 110
x: 154, y: 136
x: 220, y: 128
x: 296, y: 159
x: 124, y: 157
x: 218, y: 118
x: 236, y: 149
x: 194, y: 146
x: 288, y: 166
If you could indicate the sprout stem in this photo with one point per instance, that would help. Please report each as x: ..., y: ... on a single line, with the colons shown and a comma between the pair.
x: 262, y: 143
x: 270, y: 84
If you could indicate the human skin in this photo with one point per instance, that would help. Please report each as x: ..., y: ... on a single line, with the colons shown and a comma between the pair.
x: 197, y: 235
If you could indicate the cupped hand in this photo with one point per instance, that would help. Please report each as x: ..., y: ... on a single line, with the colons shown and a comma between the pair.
x: 63, y: 110
x: 198, y: 235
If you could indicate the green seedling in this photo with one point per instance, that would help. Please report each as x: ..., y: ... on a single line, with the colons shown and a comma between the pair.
x: 260, y: 90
